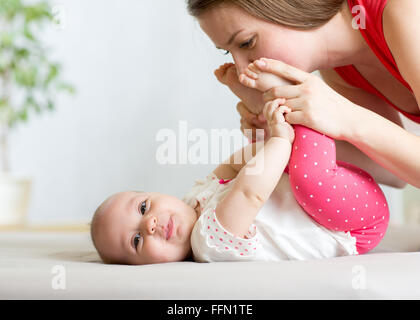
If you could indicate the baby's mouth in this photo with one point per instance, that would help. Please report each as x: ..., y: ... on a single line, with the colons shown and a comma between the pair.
x: 169, y: 229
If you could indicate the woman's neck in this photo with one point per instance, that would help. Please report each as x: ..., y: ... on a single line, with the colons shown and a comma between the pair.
x: 343, y: 44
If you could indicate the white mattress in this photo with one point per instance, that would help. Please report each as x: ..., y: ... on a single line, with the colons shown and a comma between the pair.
x: 28, y: 260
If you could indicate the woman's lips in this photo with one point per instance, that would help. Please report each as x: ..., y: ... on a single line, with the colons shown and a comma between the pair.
x: 170, y: 228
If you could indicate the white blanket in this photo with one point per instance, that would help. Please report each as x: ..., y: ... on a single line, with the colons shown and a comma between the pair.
x: 65, y: 266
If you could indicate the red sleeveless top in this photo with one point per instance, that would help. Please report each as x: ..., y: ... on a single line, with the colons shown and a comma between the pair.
x: 374, y: 36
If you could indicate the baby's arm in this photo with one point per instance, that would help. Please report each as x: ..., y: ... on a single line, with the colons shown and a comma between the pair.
x: 258, y: 178
x: 230, y: 168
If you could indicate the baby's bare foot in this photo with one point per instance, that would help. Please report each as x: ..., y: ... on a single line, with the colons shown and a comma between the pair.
x: 222, y: 73
x: 254, y: 78
x: 252, y: 98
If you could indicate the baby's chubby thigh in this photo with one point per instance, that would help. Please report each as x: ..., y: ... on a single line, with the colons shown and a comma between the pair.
x: 338, y: 195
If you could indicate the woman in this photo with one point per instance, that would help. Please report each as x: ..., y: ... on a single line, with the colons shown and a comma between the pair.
x: 367, y: 54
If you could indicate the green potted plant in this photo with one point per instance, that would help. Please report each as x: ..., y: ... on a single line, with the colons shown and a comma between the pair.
x: 29, y: 83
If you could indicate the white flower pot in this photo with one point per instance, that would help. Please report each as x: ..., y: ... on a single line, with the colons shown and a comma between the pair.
x: 14, y: 199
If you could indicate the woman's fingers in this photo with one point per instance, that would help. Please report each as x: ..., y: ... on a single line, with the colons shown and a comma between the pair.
x: 282, y: 69
x: 287, y: 92
x: 296, y: 104
x: 295, y: 117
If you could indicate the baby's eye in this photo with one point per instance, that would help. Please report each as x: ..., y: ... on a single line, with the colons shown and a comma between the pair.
x: 136, y: 240
x: 142, y: 207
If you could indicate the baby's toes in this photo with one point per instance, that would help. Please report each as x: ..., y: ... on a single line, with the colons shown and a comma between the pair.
x: 247, y: 81
x: 220, y: 73
x: 251, y: 74
x: 254, y: 68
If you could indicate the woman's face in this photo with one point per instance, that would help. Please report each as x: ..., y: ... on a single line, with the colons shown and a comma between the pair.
x: 249, y: 38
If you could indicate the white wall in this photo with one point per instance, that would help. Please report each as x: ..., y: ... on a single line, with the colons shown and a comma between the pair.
x: 138, y: 66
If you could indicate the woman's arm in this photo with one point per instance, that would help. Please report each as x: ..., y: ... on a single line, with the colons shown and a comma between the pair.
x: 316, y: 105
x: 258, y: 178
x: 345, y: 151
x: 402, y: 34
x: 389, y: 145
x: 348, y: 152
x: 397, y: 150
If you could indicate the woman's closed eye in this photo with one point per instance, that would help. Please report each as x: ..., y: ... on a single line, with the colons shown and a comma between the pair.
x: 247, y: 44
x: 244, y: 45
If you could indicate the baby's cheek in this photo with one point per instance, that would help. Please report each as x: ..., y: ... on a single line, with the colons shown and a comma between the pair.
x: 161, y: 252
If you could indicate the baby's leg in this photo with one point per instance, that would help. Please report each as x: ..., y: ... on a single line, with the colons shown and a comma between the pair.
x: 339, y: 196
x: 252, y: 98
x: 251, y: 95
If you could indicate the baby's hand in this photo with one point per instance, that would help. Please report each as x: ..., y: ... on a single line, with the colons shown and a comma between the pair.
x: 278, y: 127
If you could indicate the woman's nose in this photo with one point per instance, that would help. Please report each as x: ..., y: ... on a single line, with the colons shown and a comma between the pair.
x: 151, y: 224
x: 241, y: 64
x: 240, y: 68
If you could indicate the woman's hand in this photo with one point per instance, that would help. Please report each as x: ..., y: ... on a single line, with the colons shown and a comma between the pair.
x: 313, y: 103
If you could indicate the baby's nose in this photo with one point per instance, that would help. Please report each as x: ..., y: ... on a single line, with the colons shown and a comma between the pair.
x: 151, y: 225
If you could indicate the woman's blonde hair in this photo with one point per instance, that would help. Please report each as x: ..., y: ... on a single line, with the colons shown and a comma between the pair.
x: 300, y: 14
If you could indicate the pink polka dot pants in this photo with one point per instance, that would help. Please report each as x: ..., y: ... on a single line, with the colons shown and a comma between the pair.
x: 337, y: 195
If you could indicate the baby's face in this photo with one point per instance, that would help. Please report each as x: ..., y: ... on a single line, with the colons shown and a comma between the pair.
x: 144, y: 228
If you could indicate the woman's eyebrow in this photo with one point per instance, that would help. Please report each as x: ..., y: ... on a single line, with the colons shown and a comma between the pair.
x: 232, y: 38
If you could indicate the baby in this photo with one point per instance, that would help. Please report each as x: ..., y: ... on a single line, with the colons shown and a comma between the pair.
x: 251, y: 210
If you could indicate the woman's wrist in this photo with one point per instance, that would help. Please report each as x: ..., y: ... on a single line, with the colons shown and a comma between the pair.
x: 357, y: 123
